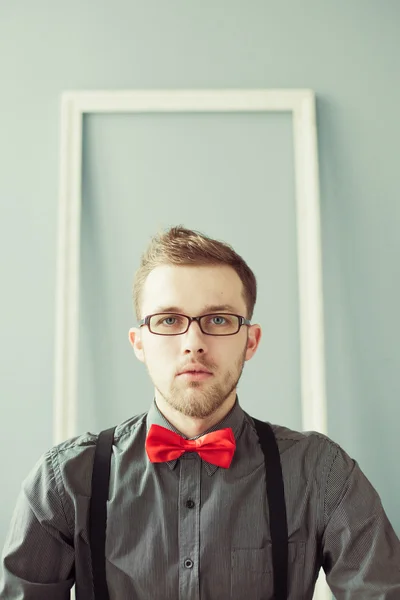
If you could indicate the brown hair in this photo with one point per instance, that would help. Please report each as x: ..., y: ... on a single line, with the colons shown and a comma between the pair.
x: 181, y: 246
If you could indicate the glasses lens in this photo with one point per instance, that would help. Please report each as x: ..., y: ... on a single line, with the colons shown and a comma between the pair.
x: 220, y: 324
x: 172, y: 324
x: 168, y: 324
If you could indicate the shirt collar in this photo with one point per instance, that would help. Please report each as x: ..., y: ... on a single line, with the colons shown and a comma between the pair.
x: 234, y: 419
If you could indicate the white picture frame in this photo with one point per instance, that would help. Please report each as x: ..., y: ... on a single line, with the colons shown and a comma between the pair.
x: 301, y: 104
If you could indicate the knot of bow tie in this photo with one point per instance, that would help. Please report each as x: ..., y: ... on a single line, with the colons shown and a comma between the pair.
x: 217, y: 447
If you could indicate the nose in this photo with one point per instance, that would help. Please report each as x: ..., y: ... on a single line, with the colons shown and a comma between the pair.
x: 194, y: 338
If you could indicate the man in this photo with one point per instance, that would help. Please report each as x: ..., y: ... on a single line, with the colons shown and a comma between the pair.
x: 183, y: 527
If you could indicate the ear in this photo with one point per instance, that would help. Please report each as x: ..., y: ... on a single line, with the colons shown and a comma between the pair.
x: 136, y: 342
x: 253, y: 340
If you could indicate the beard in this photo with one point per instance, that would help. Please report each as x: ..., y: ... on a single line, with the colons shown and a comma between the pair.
x: 200, y: 399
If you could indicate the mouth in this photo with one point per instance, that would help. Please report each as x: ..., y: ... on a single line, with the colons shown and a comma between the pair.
x: 196, y: 375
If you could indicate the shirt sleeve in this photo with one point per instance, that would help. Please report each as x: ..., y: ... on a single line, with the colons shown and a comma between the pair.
x: 361, y: 552
x: 38, y: 555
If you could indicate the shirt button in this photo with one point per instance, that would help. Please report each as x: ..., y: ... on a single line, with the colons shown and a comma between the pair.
x: 188, y: 563
x: 190, y: 503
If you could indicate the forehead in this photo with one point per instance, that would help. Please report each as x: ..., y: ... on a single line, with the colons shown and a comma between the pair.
x: 192, y: 289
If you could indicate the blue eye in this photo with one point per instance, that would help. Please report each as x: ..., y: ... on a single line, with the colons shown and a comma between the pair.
x: 173, y: 318
x: 218, y: 317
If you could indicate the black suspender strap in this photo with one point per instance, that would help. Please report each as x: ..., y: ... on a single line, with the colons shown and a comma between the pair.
x: 276, y: 505
x: 98, y: 512
x: 277, y: 508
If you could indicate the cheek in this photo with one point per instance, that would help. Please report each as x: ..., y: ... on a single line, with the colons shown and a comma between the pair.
x: 160, y: 358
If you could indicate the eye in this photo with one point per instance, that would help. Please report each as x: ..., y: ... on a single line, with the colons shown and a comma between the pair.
x: 169, y: 319
x: 218, y: 317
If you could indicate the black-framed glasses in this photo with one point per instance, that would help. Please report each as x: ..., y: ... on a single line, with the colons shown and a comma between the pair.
x: 210, y: 324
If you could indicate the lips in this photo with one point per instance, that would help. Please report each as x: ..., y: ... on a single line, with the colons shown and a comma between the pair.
x: 199, y: 376
x: 194, y: 371
x: 206, y: 372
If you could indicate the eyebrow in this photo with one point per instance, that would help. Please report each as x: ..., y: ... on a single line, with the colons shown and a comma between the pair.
x: 207, y: 308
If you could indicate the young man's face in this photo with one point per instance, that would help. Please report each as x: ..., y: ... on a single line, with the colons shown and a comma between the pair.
x: 191, y: 289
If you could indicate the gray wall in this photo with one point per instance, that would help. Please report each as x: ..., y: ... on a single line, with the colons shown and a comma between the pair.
x: 348, y: 52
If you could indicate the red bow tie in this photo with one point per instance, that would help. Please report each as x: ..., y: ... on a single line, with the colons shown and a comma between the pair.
x: 216, y: 447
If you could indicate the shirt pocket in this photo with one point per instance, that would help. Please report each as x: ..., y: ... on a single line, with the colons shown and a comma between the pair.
x: 252, y: 573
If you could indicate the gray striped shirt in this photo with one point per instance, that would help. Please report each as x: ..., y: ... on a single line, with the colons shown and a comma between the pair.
x: 190, y: 530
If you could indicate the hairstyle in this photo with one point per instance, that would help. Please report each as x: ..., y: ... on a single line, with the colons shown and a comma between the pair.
x: 181, y: 246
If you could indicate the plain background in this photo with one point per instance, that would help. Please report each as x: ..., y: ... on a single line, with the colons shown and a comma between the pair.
x: 347, y: 52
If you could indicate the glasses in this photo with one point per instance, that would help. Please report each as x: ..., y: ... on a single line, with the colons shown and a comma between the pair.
x: 176, y: 324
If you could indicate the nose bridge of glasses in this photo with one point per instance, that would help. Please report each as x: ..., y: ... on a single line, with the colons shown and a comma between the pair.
x: 197, y: 320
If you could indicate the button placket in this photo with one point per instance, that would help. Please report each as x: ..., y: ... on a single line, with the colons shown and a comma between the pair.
x: 189, y: 526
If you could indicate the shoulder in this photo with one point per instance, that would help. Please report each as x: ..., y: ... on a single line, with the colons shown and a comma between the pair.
x: 66, y: 468
x: 313, y: 459
x: 88, y: 439
x: 285, y: 435
x: 312, y: 450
